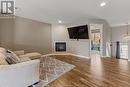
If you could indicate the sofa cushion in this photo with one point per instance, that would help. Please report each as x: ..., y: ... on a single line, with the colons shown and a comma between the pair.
x: 12, y: 58
x: 3, y: 59
x: 24, y: 59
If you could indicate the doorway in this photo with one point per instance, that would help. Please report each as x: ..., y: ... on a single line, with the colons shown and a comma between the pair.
x: 96, y: 39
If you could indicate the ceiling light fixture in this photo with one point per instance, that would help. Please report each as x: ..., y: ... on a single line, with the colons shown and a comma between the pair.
x: 103, y: 4
x: 59, y: 21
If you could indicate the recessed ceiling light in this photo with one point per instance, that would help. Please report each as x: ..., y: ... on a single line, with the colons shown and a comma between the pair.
x: 103, y: 4
x: 60, y: 21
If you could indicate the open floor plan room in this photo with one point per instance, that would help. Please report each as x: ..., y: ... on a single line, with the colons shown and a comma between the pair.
x: 64, y: 43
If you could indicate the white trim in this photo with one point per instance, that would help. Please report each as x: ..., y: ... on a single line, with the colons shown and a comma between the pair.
x: 67, y: 54
x: 56, y: 54
x: 101, y: 32
x: 79, y: 56
x: 129, y: 60
x: 105, y: 57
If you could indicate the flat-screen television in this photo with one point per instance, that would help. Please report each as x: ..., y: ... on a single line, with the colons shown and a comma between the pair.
x: 78, y: 32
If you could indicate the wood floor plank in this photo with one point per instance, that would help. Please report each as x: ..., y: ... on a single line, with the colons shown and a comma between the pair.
x: 94, y: 72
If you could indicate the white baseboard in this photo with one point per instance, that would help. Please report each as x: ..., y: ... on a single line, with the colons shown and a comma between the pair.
x: 79, y: 56
x: 67, y: 54
x: 105, y: 57
x: 56, y: 54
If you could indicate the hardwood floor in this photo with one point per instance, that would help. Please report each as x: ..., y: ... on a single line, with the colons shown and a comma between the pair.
x: 97, y: 72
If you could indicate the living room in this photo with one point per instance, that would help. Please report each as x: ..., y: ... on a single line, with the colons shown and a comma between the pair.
x: 64, y: 44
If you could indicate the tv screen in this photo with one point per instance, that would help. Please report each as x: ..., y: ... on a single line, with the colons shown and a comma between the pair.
x: 79, y: 32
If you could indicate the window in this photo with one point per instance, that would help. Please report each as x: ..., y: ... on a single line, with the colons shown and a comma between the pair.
x: 124, y: 50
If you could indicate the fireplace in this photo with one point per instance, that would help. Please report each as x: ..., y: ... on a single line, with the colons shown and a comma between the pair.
x: 60, y: 46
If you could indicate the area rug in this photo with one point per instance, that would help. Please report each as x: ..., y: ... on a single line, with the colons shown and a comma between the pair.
x: 51, y: 69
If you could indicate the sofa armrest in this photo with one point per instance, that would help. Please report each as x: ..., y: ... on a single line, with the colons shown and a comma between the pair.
x: 19, y: 75
x: 20, y: 52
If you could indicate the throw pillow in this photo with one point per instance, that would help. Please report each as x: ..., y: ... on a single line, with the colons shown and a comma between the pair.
x: 2, y: 59
x: 12, y: 58
x: 24, y: 59
x: 3, y: 50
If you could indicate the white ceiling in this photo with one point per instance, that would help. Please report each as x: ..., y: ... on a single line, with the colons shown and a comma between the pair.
x: 116, y: 12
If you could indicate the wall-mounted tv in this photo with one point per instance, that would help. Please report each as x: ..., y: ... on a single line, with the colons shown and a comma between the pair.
x: 78, y: 32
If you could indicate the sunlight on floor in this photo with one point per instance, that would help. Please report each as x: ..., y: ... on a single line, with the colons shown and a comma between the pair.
x: 96, y: 65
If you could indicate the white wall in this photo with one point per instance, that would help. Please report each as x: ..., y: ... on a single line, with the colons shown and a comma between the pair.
x: 117, y: 35
x: 81, y: 47
x: 60, y: 33
x: 25, y: 34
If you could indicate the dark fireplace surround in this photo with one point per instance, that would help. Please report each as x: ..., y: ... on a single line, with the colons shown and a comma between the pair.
x: 60, y: 46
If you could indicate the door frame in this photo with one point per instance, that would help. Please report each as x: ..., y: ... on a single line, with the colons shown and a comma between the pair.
x: 100, y: 26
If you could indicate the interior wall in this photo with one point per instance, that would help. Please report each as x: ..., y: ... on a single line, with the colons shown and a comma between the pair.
x: 25, y: 34
x: 30, y: 35
x: 6, y: 33
x: 117, y: 35
x: 80, y: 47
x: 60, y: 33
